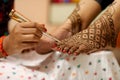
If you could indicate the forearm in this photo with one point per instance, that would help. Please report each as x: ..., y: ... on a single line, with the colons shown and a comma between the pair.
x: 87, y: 10
x: 6, y: 46
x: 116, y: 15
x: 107, y: 26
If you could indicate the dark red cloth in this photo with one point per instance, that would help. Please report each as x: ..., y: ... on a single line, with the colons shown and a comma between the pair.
x: 104, y: 3
x: 5, y: 8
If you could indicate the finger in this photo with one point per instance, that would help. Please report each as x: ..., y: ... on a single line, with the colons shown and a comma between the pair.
x: 29, y: 38
x: 28, y: 30
x: 63, y: 42
x: 66, y: 48
x: 28, y: 45
x: 27, y: 50
x: 55, y: 46
x: 82, y: 48
x: 72, y: 49
x: 26, y: 24
x: 61, y: 47
x: 29, y: 27
x: 59, y: 43
x: 41, y: 27
x: 35, y: 31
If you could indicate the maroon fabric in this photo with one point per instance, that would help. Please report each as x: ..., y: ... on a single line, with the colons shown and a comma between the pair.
x: 104, y: 3
x: 5, y: 8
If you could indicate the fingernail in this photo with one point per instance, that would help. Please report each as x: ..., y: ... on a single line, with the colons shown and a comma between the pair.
x: 75, y: 53
x: 64, y: 51
x: 45, y: 29
x: 43, y: 25
x: 54, y: 45
x: 58, y: 49
x: 69, y: 52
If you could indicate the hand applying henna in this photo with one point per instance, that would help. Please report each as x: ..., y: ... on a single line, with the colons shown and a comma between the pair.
x: 101, y: 34
x: 77, y: 21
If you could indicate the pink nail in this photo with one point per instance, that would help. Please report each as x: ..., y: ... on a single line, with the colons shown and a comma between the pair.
x: 64, y: 51
x: 58, y: 49
x: 75, y: 53
x: 69, y: 52
x: 54, y: 45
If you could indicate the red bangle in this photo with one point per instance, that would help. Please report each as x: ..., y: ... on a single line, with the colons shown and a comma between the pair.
x: 4, y: 54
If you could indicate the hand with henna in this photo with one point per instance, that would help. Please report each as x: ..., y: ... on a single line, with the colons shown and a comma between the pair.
x: 101, y: 34
x: 77, y: 21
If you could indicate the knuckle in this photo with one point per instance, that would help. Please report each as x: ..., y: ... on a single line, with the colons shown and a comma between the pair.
x: 34, y: 24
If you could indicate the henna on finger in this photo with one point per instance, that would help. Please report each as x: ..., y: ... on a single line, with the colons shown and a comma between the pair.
x: 62, y: 47
x: 82, y: 48
x: 72, y: 49
x: 66, y: 48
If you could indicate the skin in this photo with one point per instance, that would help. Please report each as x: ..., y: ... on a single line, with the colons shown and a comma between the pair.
x: 24, y: 37
x: 101, y: 34
x: 64, y: 32
x: 66, y: 29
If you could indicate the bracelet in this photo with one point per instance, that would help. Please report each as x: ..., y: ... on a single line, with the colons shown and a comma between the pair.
x: 3, y: 52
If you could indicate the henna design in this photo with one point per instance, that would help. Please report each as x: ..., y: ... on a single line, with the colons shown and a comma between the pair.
x: 76, y: 20
x: 99, y: 35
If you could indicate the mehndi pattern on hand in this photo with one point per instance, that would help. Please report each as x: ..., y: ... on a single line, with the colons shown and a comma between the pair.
x: 99, y: 35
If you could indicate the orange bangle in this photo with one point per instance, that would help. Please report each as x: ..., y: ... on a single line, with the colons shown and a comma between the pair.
x: 4, y: 54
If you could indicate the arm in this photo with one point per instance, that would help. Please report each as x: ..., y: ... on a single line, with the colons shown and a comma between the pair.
x: 86, y: 11
x: 81, y: 17
x: 101, y: 34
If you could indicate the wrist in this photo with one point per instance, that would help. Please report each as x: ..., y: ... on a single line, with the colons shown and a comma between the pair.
x: 67, y: 25
x: 75, y: 20
x: 6, y: 45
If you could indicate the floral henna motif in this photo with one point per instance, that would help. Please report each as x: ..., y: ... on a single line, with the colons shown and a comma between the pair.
x: 99, y: 35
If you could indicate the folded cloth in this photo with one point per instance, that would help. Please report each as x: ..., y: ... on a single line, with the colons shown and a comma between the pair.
x: 27, y: 59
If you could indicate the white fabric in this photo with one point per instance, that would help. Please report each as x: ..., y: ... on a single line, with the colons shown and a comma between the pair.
x: 58, y: 66
x: 27, y: 59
